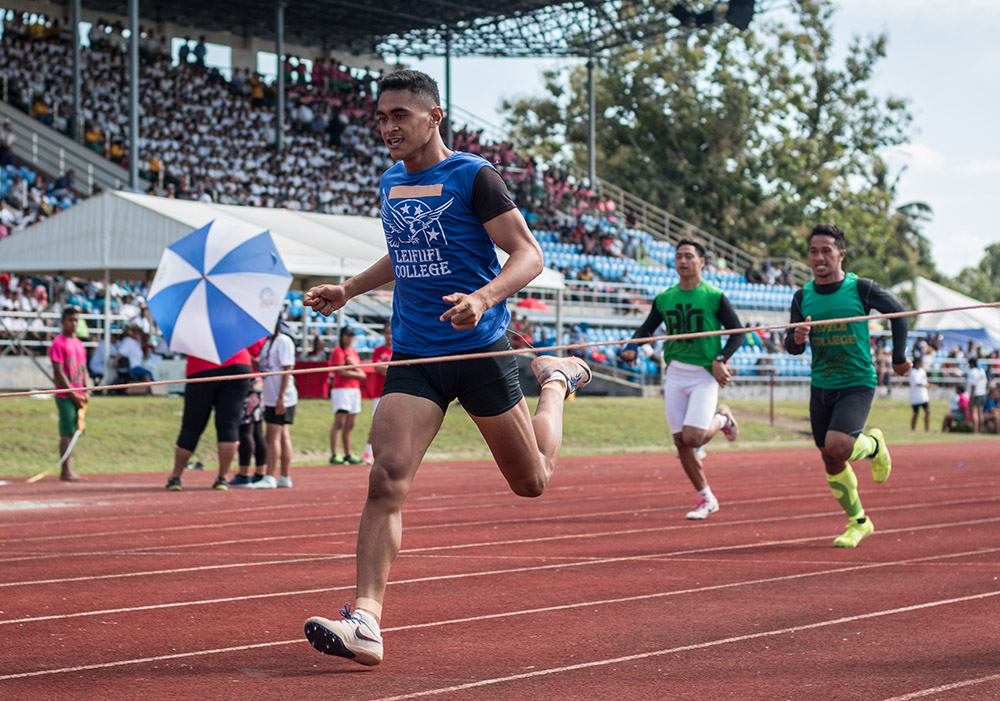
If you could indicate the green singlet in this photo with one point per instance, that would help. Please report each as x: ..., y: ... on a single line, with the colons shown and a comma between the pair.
x: 841, y: 353
x: 691, y: 311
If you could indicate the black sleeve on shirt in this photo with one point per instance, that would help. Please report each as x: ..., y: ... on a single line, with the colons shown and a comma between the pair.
x: 490, y: 197
x: 727, y: 315
x: 874, y: 297
x: 796, y: 316
x: 650, y: 325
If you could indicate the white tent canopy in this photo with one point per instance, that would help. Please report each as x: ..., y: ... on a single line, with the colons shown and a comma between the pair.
x: 931, y: 295
x: 122, y: 235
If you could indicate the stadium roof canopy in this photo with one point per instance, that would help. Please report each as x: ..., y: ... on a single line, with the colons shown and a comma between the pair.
x: 124, y: 235
x: 428, y: 27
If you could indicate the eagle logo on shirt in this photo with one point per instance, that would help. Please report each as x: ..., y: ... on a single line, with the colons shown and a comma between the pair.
x: 412, y: 222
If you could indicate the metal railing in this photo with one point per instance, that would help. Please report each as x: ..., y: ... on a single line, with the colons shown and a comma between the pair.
x: 32, y: 332
x: 667, y: 227
x: 45, y: 149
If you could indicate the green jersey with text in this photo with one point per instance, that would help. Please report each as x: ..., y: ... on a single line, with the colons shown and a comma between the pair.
x: 841, y: 353
x: 691, y: 311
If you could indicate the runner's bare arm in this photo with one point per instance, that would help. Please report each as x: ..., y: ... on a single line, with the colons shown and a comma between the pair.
x: 327, y: 299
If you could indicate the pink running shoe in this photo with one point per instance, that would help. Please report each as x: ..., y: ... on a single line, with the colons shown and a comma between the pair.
x: 731, y: 429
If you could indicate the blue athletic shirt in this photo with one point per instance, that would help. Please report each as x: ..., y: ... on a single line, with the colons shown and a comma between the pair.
x: 437, y: 245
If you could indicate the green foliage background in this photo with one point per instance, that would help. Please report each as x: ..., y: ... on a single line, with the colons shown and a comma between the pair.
x: 754, y: 136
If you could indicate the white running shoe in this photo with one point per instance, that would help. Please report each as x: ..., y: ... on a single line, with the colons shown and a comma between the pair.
x: 731, y: 429
x: 265, y: 482
x: 704, y: 508
x: 574, y: 371
x: 284, y: 482
x: 353, y: 637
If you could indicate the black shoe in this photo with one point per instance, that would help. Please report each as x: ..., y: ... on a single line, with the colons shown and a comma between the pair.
x: 220, y: 484
x: 351, y: 460
x: 174, y: 484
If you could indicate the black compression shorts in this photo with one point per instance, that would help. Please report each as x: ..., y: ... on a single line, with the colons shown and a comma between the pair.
x: 845, y: 410
x: 484, y: 386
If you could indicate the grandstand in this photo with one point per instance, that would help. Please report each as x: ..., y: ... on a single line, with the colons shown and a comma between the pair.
x: 210, y: 137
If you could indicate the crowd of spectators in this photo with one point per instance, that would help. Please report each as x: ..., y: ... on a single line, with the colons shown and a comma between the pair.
x: 769, y: 274
x: 205, y: 136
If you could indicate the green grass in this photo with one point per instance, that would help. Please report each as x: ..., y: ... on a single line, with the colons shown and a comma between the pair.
x: 137, y: 434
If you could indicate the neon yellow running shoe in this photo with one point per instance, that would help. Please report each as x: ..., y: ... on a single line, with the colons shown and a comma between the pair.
x: 881, y: 463
x: 855, y: 533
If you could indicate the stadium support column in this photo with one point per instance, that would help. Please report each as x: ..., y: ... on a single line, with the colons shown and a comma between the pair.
x: 591, y: 126
x: 107, y: 325
x: 447, y: 89
x: 279, y: 108
x: 133, y: 94
x: 75, y: 125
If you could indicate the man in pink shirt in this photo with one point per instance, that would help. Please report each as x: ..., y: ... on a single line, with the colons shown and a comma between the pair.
x: 69, y: 366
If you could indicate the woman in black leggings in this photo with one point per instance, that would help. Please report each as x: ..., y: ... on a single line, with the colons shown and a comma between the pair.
x: 252, y: 443
x: 223, y: 395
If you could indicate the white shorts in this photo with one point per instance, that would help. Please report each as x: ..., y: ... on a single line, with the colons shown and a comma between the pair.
x: 346, y: 399
x: 690, y: 396
x: 375, y: 404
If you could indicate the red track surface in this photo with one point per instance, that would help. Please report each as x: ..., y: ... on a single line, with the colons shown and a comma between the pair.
x: 600, y: 589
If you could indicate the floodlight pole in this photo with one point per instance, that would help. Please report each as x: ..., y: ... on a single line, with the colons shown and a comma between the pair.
x: 279, y: 47
x: 133, y: 94
x: 75, y: 129
x: 591, y: 125
x: 591, y: 107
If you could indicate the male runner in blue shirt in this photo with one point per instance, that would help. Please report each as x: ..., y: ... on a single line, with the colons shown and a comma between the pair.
x: 443, y: 214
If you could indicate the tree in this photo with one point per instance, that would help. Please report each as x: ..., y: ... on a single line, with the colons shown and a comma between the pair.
x: 754, y: 136
x: 983, y: 281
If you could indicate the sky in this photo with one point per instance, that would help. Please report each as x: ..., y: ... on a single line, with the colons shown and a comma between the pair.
x: 943, y: 58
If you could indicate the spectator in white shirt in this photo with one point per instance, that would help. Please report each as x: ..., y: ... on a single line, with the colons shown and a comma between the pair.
x: 919, y: 393
x: 280, y: 397
x: 976, y: 389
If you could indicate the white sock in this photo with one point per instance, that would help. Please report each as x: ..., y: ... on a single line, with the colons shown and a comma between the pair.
x: 368, y: 447
x: 706, y: 494
x: 367, y: 618
x: 558, y: 376
x: 723, y: 420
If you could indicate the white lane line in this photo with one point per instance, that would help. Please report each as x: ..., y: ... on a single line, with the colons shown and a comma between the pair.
x: 980, y: 488
x: 946, y: 687
x: 536, y: 673
x: 178, y: 570
x: 465, y: 524
x: 518, y: 541
x: 929, y: 559
x: 687, y: 648
x: 614, y: 490
x: 243, y: 523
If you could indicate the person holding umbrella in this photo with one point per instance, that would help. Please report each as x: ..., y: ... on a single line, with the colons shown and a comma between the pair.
x: 443, y: 215
x: 217, y: 292
x: 223, y: 395
x: 69, y: 365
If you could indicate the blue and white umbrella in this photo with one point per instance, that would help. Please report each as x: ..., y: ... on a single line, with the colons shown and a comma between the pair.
x: 218, y: 290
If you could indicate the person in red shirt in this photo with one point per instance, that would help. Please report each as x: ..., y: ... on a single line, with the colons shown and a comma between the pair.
x: 345, y: 397
x: 226, y: 396
x: 381, y: 354
x: 69, y: 365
